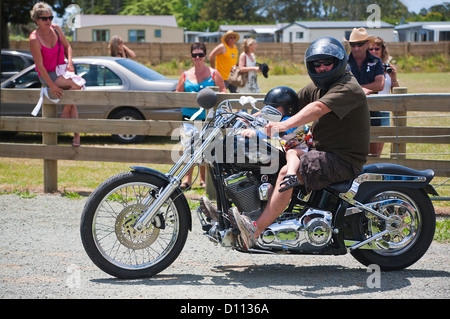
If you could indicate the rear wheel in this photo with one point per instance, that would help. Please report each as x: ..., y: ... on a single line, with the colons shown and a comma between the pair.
x: 110, y: 239
x: 411, y: 228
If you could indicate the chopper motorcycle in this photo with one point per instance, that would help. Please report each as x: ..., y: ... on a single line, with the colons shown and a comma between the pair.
x: 135, y: 224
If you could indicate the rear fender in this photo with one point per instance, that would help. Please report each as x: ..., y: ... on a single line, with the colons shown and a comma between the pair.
x: 178, y: 192
x: 382, y: 175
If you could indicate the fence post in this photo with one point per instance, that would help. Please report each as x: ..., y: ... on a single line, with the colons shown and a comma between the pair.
x: 50, y: 166
x: 399, y: 118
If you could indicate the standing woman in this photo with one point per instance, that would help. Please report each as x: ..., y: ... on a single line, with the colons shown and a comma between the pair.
x: 49, y: 46
x: 118, y: 49
x: 379, y: 49
x: 193, y: 80
x: 247, y: 64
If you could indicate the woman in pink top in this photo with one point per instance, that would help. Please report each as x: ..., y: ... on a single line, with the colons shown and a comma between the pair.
x: 49, y: 46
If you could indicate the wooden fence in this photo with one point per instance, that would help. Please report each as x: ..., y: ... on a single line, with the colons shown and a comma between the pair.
x: 399, y: 134
x: 156, y: 53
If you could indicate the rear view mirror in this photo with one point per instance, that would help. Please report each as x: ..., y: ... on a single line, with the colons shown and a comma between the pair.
x: 206, y: 98
x: 271, y: 114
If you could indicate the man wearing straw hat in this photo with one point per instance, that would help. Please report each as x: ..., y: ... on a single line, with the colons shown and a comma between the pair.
x: 226, y: 55
x: 366, y: 68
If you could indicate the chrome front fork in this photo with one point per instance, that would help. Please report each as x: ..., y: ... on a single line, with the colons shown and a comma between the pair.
x: 174, y: 180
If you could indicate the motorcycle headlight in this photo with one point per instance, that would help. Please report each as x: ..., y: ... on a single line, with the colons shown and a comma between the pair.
x: 188, y: 133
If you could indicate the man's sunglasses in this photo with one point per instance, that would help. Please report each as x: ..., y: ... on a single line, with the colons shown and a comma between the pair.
x: 357, y: 44
x: 325, y: 62
x: 46, y: 18
x: 198, y: 55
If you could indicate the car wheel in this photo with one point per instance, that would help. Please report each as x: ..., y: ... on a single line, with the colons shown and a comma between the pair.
x: 128, y: 115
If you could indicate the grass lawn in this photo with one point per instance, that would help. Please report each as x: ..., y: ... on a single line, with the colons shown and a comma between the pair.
x: 415, y: 82
x: 25, y: 175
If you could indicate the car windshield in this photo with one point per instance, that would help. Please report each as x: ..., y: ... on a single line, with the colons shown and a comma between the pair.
x: 141, y: 70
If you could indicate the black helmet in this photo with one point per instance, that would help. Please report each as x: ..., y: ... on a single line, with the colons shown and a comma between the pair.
x: 285, y: 97
x: 324, y: 48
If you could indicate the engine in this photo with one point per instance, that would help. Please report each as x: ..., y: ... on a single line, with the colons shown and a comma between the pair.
x: 312, y: 232
x: 243, y: 190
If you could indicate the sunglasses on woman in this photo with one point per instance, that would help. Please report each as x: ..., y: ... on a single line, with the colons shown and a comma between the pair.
x: 374, y: 49
x: 358, y: 44
x: 198, y: 55
x: 46, y: 18
x: 325, y: 62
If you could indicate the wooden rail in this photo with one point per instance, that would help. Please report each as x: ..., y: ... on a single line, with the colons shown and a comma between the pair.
x: 398, y: 133
x: 155, y: 53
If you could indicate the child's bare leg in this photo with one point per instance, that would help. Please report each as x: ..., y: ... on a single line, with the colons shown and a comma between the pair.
x: 292, y: 178
x: 293, y: 160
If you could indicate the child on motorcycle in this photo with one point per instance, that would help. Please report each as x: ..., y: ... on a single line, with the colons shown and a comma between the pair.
x: 296, y: 143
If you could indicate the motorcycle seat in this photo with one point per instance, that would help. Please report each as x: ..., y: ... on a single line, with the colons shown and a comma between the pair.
x: 387, y: 168
x: 341, y: 187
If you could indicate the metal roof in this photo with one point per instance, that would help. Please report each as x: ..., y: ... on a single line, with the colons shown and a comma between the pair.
x: 305, y: 24
x: 338, y: 24
x: 94, y: 20
x: 424, y: 25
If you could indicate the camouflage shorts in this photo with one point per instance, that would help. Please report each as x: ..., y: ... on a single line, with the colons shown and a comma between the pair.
x: 320, y: 169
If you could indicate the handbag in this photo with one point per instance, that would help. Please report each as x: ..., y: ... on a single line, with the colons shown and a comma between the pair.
x: 237, y: 78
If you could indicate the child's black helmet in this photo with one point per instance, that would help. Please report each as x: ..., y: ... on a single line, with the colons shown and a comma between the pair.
x: 285, y: 97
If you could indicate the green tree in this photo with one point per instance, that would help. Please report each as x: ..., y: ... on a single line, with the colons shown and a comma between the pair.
x: 148, y: 7
x: 439, y: 12
x: 241, y: 11
x: 102, y: 6
x: 187, y: 13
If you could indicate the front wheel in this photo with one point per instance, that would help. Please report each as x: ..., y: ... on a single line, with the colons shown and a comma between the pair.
x: 107, y: 229
x: 411, y: 223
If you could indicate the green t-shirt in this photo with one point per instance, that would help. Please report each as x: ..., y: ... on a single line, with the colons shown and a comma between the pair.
x: 345, y: 130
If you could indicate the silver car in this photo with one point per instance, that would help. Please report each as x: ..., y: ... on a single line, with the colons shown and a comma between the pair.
x: 101, y: 74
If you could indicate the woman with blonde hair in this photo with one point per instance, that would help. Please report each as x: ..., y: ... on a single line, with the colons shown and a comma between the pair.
x: 118, y: 49
x: 379, y: 49
x: 49, y: 47
x: 247, y: 64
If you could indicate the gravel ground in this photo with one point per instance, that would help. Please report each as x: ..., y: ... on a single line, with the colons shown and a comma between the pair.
x: 41, y: 256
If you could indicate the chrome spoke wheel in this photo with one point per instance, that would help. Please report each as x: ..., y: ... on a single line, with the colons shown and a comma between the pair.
x: 406, y: 232
x: 119, y: 242
x: 403, y: 224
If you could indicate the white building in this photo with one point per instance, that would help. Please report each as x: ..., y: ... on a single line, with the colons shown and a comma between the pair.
x: 262, y: 33
x: 300, y: 31
x: 424, y: 31
x: 308, y: 31
x: 95, y: 28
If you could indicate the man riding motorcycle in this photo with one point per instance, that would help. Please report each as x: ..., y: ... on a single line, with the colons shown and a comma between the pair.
x: 337, y: 106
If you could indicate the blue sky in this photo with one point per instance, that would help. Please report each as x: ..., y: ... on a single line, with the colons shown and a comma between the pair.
x: 417, y: 5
